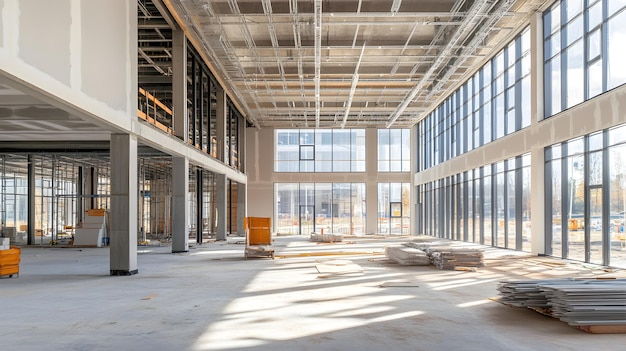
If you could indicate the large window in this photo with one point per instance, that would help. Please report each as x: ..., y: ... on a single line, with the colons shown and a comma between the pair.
x: 493, y: 103
x: 583, y: 51
x: 302, y: 208
x: 394, y: 150
x: 394, y: 208
x: 488, y: 205
x: 585, y: 198
x: 319, y: 150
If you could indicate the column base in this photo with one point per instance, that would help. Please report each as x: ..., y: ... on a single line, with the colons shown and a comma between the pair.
x: 119, y: 272
x: 179, y: 251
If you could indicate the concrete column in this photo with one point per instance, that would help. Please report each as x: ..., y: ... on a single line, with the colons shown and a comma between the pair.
x: 180, y: 192
x: 414, y: 196
x: 371, y: 184
x: 221, y: 206
x: 537, y: 154
x: 220, y: 123
x: 123, y: 226
x: 241, y: 207
x: 80, y: 179
x: 30, y: 233
x: 242, y: 145
x: 537, y: 200
x: 179, y: 84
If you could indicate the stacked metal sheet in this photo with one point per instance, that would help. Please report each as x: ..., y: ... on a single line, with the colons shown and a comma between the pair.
x: 407, y: 256
x: 587, y: 303
x: 450, y: 258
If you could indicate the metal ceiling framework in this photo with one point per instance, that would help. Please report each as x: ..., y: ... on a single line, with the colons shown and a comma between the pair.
x: 345, y: 63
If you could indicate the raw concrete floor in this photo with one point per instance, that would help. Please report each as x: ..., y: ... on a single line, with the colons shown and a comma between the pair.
x: 211, y: 298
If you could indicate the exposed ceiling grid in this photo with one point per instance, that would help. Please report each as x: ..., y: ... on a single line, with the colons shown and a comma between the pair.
x: 341, y: 63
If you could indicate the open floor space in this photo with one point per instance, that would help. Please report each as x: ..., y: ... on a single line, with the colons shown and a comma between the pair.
x: 211, y: 298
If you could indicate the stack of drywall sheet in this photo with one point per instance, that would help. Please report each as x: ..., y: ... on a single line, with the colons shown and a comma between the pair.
x: 526, y: 293
x: 407, y: 256
x: 326, y: 238
x: 450, y: 258
x: 588, y: 303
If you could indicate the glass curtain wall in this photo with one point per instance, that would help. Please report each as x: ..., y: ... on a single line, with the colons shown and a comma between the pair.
x: 583, y: 51
x: 488, y: 205
x: 394, y: 150
x: 302, y: 208
x: 585, y: 201
x: 319, y: 150
x: 201, y: 104
x: 495, y: 100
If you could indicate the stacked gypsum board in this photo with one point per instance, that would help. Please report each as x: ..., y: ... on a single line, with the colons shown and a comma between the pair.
x: 450, y: 258
x: 588, y: 303
x: 407, y: 256
x: 527, y: 293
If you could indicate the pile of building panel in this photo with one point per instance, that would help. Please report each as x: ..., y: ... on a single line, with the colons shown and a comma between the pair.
x: 578, y: 302
x: 592, y: 303
x: 407, y: 255
x: 451, y: 258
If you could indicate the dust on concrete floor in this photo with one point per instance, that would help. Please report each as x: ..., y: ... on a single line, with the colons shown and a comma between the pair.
x: 211, y: 298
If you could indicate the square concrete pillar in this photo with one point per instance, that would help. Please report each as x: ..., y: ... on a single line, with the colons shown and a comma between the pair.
x: 123, y: 235
x: 241, y: 207
x: 180, y: 194
x: 221, y: 206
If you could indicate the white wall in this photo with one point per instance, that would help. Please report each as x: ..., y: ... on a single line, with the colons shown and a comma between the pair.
x: 78, y: 55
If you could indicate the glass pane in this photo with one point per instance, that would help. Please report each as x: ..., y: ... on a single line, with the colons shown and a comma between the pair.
x: 595, y: 208
x: 596, y: 141
x: 617, y: 211
x: 574, y: 31
x: 557, y: 216
x: 526, y: 112
x: 500, y: 217
x: 595, y: 15
x: 616, y: 50
x: 510, y: 212
x: 593, y: 45
x: 553, y: 86
x: 615, y: 5
x: 617, y: 135
x: 576, y: 200
x: 594, y: 79
x: 526, y: 209
x: 384, y: 208
x: 323, y: 207
x: 575, y: 75
x: 487, y: 213
x: 573, y: 8
x: 286, y: 199
x: 358, y: 208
